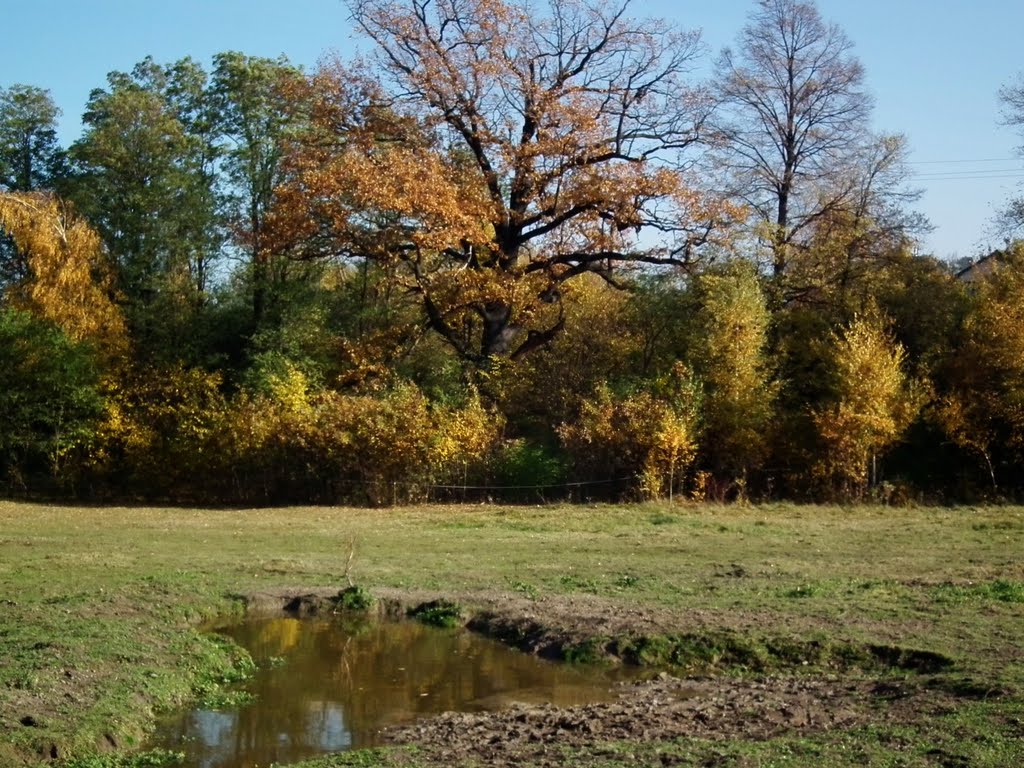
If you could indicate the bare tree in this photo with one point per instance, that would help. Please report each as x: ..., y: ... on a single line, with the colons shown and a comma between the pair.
x: 794, y: 118
x: 1011, y: 218
x: 863, y: 230
x: 1012, y: 97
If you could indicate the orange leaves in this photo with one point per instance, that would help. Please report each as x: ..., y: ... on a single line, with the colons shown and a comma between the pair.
x: 380, y: 177
x: 442, y: 202
x: 64, y: 258
x: 499, y: 150
x: 560, y: 106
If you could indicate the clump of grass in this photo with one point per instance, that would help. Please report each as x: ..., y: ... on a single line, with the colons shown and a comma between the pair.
x: 438, y: 613
x: 732, y: 652
x: 1000, y: 591
x: 526, y: 589
x: 999, y: 525
x: 803, y: 591
x: 220, y: 663
x: 157, y: 758
x: 220, y: 700
x: 593, y: 650
x: 661, y: 518
x: 626, y: 581
x: 356, y: 599
x: 693, y: 652
x: 575, y: 583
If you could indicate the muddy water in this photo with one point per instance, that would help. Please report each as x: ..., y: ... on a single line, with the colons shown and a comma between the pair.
x: 326, y: 686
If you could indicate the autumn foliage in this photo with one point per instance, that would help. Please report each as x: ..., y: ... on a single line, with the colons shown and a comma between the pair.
x: 65, y: 278
x: 519, y: 251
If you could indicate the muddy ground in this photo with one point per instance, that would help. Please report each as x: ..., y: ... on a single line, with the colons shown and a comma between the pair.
x: 811, y: 695
x: 662, y: 710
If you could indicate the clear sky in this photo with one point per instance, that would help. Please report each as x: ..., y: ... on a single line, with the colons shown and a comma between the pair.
x: 934, y: 67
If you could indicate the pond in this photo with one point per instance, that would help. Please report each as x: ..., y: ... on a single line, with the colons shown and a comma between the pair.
x: 328, y: 686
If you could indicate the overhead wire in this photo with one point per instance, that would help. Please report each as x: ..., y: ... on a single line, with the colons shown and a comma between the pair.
x: 980, y: 173
x: 980, y: 160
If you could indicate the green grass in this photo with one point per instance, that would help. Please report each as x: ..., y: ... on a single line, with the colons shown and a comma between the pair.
x: 101, y: 609
x: 438, y: 613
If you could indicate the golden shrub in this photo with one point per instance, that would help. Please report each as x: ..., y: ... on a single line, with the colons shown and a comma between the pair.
x: 651, y: 438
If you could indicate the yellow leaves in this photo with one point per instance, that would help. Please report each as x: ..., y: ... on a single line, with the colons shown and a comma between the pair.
x: 733, y: 321
x: 673, y: 449
x: 874, y: 402
x: 290, y: 390
x: 651, y: 438
x: 730, y: 354
x: 981, y: 411
x: 992, y: 328
x: 378, y: 446
x: 598, y: 342
x: 467, y: 437
x: 68, y: 282
x: 157, y: 424
x: 971, y: 421
x: 454, y: 288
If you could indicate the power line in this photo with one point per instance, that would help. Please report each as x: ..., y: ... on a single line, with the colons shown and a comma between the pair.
x: 950, y: 162
x: 971, y: 172
x: 983, y: 169
x: 947, y: 177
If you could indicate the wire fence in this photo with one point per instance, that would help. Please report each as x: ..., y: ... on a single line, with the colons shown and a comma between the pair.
x: 270, y: 489
x: 580, y: 490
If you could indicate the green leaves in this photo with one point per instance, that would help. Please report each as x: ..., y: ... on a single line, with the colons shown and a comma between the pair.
x: 729, y: 354
x: 144, y: 179
x: 49, y: 397
x: 30, y: 157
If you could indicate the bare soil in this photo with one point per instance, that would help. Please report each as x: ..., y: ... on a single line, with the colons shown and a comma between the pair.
x: 660, y: 710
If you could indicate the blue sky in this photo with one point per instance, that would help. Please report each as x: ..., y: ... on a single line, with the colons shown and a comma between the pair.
x: 934, y: 67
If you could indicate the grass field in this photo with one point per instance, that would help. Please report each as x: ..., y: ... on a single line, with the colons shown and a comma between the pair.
x: 101, y: 609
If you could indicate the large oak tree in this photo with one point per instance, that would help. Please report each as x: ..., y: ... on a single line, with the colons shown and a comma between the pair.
x: 513, y: 147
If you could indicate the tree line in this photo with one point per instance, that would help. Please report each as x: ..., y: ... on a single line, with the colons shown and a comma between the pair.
x: 521, y: 252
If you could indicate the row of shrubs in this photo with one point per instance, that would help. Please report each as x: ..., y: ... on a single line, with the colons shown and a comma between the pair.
x: 177, y: 436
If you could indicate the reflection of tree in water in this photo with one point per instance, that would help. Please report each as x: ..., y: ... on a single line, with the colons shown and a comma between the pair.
x: 326, y: 686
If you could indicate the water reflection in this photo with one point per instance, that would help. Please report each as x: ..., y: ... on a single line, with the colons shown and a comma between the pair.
x: 327, y: 686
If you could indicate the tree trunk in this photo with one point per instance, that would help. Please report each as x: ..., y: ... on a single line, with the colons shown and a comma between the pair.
x: 259, y: 287
x: 991, y: 471
x: 779, y: 244
x: 498, y: 331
